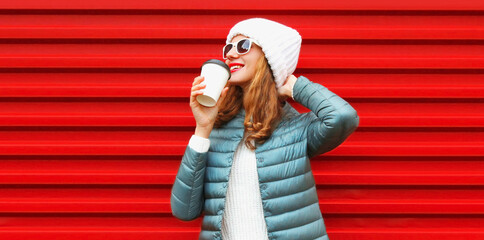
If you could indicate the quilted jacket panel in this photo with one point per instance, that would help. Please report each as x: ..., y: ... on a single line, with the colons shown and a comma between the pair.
x: 288, y: 190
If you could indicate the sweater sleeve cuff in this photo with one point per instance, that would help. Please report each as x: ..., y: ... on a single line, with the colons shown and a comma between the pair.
x: 199, y: 144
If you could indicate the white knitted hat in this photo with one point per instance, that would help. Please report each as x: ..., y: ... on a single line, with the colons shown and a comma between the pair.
x: 280, y: 44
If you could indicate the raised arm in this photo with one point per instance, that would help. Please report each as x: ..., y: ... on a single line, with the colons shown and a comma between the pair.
x: 334, y: 118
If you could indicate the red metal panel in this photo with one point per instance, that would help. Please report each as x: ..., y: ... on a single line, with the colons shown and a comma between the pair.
x: 248, y: 5
x: 94, y: 113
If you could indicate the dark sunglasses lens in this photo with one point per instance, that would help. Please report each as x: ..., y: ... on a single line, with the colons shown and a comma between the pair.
x: 243, y: 46
x: 227, y: 49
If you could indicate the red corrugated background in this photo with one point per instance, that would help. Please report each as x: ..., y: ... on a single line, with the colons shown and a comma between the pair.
x: 94, y: 113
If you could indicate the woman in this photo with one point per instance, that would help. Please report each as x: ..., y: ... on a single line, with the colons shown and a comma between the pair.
x: 247, y: 165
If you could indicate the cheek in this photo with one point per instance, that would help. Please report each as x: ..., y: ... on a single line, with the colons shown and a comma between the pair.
x: 252, y: 70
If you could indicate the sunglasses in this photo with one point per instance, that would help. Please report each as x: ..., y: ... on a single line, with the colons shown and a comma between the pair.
x: 242, y: 46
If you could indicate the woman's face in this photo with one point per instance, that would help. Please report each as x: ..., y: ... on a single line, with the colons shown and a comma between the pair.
x: 243, y: 67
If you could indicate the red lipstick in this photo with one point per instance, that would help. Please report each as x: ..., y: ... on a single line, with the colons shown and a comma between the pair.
x: 237, y: 68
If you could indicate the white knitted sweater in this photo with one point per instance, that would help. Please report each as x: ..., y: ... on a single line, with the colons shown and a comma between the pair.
x: 243, y: 217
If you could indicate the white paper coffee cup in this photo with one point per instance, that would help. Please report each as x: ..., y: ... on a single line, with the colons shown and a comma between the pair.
x: 216, y: 74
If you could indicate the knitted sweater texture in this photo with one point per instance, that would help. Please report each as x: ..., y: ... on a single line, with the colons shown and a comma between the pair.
x: 243, y: 216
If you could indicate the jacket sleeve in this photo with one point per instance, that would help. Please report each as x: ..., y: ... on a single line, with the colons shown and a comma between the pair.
x: 187, y: 191
x: 333, y: 118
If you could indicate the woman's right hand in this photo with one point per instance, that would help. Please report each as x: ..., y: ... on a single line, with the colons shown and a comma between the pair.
x: 204, y: 116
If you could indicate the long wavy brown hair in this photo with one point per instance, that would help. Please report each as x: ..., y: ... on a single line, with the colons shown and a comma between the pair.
x: 261, y: 104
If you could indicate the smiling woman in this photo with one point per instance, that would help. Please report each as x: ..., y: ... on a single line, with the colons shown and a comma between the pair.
x: 243, y: 64
x: 253, y: 90
x: 247, y: 165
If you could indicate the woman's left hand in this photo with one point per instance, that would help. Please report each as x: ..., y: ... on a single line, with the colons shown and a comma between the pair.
x: 286, y: 90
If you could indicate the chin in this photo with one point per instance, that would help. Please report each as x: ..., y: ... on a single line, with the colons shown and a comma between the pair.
x: 236, y: 81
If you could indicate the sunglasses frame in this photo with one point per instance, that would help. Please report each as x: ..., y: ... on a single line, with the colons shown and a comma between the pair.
x: 251, y: 41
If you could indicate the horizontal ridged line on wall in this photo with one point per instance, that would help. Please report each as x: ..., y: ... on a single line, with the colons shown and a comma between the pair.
x: 432, y: 5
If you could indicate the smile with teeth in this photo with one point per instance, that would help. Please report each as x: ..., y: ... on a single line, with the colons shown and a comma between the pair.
x: 235, y: 68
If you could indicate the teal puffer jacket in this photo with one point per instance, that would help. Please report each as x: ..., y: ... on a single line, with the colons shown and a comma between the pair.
x: 287, y: 186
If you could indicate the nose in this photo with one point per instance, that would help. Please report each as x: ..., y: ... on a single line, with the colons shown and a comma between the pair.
x: 232, y: 53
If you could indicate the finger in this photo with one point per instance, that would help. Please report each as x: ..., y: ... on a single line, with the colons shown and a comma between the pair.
x: 198, y: 80
x: 222, y: 96
x: 224, y: 93
x: 196, y: 93
x: 193, y: 98
x: 196, y: 87
x: 199, y: 86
